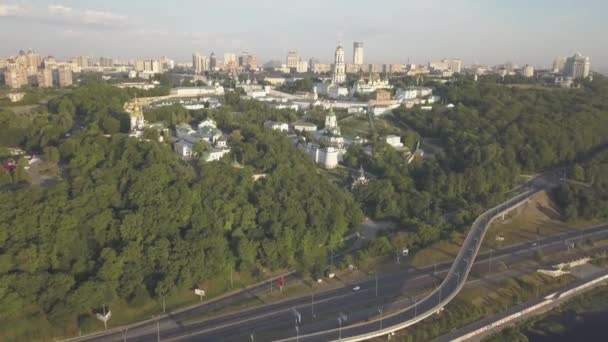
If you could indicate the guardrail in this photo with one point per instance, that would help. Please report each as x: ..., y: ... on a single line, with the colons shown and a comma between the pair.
x: 471, y: 244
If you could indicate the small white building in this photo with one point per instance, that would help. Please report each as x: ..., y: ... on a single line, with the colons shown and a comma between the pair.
x: 198, y: 91
x: 15, y: 97
x: 331, y: 90
x: 304, y: 127
x: 186, y: 138
x: 355, y: 110
x: 406, y: 94
x: 277, y: 126
x: 215, y: 153
x: 208, y: 122
x: 394, y: 141
x: 327, y: 157
x: 379, y: 109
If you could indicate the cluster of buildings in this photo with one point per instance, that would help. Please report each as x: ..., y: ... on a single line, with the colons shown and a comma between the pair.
x: 31, y: 69
x: 231, y: 63
x: 563, y: 72
x: 326, y: 147
x: 207, y: 133
x: 214, y: 144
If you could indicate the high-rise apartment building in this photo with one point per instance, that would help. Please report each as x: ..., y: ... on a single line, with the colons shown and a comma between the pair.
x: 558, y: 64
x: 166, y: 63
x: 200, y: 63
x: 302, y: 66
x: 106, y: 62
x: 64, y: 76
x: 247, y: 61
x: 15, y: 77
x: 339, y: 72
x: 577, y: 66
x: 45, y: 78
x: 82, y: 61
x: 292, y: 59
x: 358, y: 53
x: 29, y: 59
x: 139, y: 65
x: 230, y: 61
x: 212, y: 61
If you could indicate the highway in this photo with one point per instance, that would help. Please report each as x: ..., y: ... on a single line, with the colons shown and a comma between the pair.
x: 276, y: 321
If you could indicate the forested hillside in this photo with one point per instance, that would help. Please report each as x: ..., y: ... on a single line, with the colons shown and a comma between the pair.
x: 132, y: 221
x: 492, y: 136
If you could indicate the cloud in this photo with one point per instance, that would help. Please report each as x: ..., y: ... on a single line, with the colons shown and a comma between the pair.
x: 61, y: 15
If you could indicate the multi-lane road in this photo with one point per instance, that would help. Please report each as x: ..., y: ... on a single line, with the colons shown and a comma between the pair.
x: 360, y: 309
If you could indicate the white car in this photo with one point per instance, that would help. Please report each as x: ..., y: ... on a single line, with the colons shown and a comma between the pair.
x: 356, y: 288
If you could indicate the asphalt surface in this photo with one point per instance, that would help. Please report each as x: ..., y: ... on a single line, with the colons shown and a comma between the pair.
x: 276, y: 321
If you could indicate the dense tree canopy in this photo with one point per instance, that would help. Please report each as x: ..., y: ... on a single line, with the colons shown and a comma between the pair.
x: 492, y: 135
x: 132, y: 221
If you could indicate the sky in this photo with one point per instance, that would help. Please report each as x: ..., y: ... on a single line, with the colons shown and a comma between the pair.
x: 394, y: 31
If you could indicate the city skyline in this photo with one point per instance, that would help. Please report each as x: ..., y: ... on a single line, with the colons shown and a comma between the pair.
x: 436, y: 31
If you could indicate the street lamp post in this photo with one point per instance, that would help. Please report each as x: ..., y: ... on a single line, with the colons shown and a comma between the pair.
x: 157, y: 328
x: 297, y: 334
x: 341, y: 319
x: 380, y: 310
x: 312, y: 303
x: 376, y: 275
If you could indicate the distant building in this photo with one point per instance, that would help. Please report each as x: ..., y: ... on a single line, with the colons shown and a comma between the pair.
x: 394, y: 141
x: 527, y: 71
x: 558, y: 64
x: 139, y: 65
x: 327, y: 157
x: 304, y: 127
x: 45, y: 78
x: 331, y: 90
x: 212, y: 61
x: 106, y: 62
x: 15, y: 97
x: 292, y: 59
x: 200, y: 63
x: 378, y: 109
x: 230, y: 61
x: 339, y: 72
x: 577, y: 66
x: 186, y: 138
x: 406, y: 94
x: 248, y: 61
x: 277, y: 126
x: 383, y: 95
x: 64, y: 76
x: 198, y: 91
x: 15, y: 77
x: 302, y: 66
x: 356, y: 68
x: 319, y: 68
x: 358, y: 53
